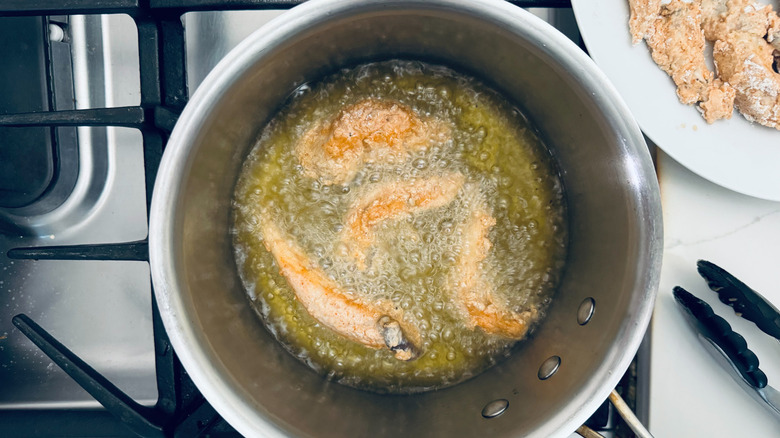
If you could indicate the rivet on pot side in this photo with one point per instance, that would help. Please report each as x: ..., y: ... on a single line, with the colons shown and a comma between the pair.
x: 585, y: 312
x: 495, y: 408
x: 549, y: 367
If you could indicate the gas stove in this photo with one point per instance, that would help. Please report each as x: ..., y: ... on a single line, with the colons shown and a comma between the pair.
x: 92, y: 92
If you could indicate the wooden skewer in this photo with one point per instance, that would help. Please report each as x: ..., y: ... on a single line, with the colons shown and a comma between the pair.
x: 628, y: 415
x: 587, y: 432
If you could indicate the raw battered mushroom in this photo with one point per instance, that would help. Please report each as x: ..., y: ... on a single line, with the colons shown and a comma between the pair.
x: 742, y: 31
x: 719, y: 103
x: 643, y: 15
x: 746, y: 37
x: 677, y: 46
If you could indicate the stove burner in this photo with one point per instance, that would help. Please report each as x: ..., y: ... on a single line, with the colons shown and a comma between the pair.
x: 38, y: 165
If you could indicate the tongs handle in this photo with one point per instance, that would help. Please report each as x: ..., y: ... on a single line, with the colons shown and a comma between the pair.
x: 717, y: 331
x: 746, y: 302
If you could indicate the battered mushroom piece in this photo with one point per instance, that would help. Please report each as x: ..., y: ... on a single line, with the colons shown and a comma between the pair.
x: 474, y: 295
x: 371, y: 130
x: 773, y: 33
x: 722, y: 17
x: 642, y: 19
x: 375, y: 325
x: 677, y: 46
x: 742, y: 31
x: 392, y: 201
x: 719, y: 103
x: 747, y: 66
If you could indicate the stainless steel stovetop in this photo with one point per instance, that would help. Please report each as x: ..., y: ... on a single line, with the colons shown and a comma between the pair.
x: 101, y: 310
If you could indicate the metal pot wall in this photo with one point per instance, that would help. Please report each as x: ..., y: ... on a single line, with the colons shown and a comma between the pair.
x: 613, y: 205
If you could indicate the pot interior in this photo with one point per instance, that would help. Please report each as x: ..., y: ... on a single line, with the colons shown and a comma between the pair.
x: 612, y: 199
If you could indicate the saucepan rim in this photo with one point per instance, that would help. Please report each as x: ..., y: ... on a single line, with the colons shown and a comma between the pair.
x: 176, y: 161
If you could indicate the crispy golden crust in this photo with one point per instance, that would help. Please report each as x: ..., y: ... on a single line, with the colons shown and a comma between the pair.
x: 392, y: 201
x: 370, y: 130
x: 377, y: 325
x: 474, y: 295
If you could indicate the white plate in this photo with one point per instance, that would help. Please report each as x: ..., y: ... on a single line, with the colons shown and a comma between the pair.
x: 736, y: 154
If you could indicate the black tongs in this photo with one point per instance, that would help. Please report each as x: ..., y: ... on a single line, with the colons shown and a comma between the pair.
x: 727, y: 346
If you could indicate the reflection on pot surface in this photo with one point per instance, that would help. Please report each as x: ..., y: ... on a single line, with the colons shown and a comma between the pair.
x: 399, y: 226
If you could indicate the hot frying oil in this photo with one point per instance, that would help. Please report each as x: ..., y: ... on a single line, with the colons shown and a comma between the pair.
x: 506, y: 167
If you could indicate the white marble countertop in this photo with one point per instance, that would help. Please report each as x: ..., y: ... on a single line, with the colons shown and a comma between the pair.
x: 690, y: 395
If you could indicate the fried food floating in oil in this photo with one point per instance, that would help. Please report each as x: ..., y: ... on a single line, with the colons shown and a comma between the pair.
x: 474, y: 295
x: 746, y: 36
x: 375, y: 325
x: 392, y: 201
x: 371, y: 130
x: 677, y: 45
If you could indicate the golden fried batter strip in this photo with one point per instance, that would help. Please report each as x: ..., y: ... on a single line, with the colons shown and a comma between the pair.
x: 375, y: 325
x: 473, y: 294
x: 371, y: 130
x: 392, y: 201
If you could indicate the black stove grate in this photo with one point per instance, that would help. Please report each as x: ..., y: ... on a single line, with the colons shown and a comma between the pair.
x: 180, y: 409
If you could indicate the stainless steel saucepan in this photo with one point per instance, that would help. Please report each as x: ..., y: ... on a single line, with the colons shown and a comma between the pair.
x: 553, y: 381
